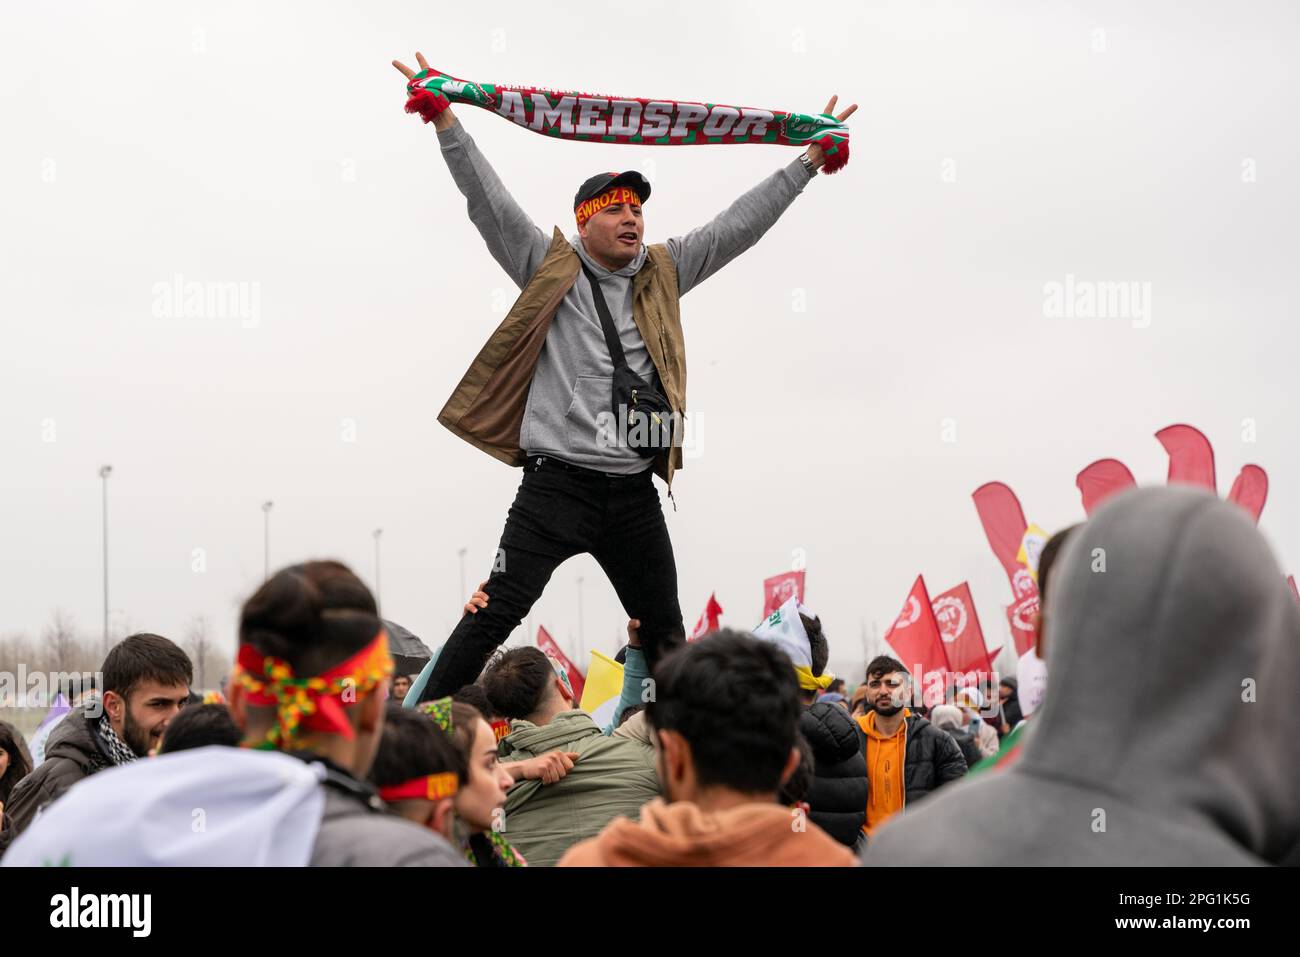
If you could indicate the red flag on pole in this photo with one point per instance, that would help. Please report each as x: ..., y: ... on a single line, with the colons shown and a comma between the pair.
x: 1191, y: 458
x: 1003, y: 520
x: 915, y: 636
x: 779, y: 589
x: 708, y: 619
x: 1102, y: 479
x: 959, y: 627
x: 1004, y: 525
x: 548, y: 645
x: 1250, y: 490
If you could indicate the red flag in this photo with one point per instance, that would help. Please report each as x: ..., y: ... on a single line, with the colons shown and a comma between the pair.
x: 1290, y: 580
x: 1003, y: 520
x: 959, y: 627
x: 1250, y: 490
x: 779, y: 589
x: 1102, y: 479
x: 1191, y: 459
x: 1020, y: 619
x: 1004, y: 525
x: 914, y: 635
x: 708, y: 619
x: 548, y: 645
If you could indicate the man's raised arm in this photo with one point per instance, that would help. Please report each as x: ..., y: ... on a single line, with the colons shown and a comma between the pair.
x: 706, y: 249
x: 512, y: 237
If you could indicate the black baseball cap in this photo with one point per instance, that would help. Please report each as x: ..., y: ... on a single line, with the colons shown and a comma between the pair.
x: 597, y: 184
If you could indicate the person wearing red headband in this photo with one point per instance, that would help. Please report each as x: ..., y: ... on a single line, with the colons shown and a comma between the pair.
x: 417, y: 771
x: 478, y: 826
x: 311, y: 680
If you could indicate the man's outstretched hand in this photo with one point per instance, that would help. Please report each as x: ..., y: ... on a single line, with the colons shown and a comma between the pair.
x: 446, y: 118
x: 815, y: 153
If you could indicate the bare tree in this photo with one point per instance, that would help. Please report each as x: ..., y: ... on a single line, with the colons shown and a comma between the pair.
x: 198, y: 645
x: 61, y: 653
x: 60, y: 641
x: 15, y: 649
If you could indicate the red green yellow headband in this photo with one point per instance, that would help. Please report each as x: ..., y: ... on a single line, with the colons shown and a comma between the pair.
x: 599, y: 118
x: 431, y: 787
x: 611, y: 197
x: 440, y: 712
x: 315, y: 703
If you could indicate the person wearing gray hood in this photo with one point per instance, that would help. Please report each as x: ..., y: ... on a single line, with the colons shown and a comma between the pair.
x: 1168, y: 735
x: 583, y: 385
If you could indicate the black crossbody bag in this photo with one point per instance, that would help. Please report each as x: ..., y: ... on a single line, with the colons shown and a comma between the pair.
x: 639, y: 406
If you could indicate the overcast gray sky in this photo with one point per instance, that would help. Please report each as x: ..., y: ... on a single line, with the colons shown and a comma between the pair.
x: 998, y: 148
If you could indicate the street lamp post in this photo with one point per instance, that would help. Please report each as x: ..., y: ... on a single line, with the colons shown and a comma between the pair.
x: 266, y: 539
x: 104, y: 472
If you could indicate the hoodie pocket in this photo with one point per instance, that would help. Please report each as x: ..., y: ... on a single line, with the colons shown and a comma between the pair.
x: 589, y: 426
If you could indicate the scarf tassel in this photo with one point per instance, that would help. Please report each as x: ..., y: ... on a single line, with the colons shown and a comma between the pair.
x: 428, y: 104
x: 836, y: 152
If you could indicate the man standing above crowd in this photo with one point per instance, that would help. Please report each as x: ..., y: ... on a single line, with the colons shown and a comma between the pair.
x: 598, y: 314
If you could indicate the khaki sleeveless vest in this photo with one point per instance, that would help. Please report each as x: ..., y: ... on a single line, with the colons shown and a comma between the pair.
x: 487, y: 408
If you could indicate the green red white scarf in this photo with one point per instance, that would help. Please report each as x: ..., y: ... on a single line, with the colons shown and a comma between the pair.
x: 615, y: 119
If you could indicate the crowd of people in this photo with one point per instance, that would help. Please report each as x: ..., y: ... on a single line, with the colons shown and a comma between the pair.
x: 1167, y: 736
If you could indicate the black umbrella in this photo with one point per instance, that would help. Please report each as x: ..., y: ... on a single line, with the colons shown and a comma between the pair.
x: 410, y: 654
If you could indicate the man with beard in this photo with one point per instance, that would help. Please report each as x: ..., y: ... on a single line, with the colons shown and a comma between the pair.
x: 907, y: 756
x: 146, y: 681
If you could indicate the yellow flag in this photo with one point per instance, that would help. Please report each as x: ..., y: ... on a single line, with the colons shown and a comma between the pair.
x: 1031, y: 545
x: 603, y: 687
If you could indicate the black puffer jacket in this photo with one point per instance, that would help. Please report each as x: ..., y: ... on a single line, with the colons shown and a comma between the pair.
x: 838, y: 796
x: 932, y: 759
x: 970, y: 749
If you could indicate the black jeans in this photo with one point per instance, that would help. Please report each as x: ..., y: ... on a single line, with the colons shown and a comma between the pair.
x: 560, y: 512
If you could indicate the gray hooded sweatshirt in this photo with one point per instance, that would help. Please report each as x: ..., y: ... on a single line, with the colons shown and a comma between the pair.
x: 1168, y: 735
x: 573, y: 380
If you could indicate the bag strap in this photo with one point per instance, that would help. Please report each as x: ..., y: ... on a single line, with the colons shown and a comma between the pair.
x: 606, y: 321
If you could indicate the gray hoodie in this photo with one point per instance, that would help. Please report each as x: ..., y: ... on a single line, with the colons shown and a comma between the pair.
x: 573, y: 381
x: 1168, y: 734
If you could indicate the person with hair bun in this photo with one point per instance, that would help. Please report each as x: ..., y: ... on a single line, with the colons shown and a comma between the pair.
x: 311, y: 680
